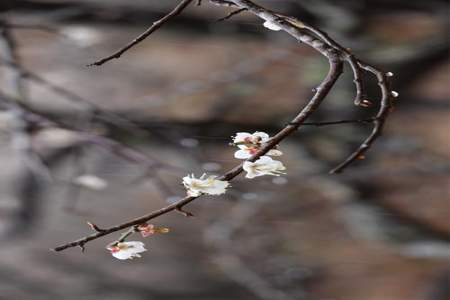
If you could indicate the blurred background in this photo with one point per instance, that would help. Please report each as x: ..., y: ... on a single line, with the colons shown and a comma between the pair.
x: 378, y: 231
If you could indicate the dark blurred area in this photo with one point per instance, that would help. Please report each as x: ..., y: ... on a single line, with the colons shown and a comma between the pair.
x: 378, y: 231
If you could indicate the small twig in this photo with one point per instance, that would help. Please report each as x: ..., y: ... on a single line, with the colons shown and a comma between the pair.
x: 232, y: 14
x: 126, y: 234
x: 94, y: 227
x: 319, y: 124
x: 156, y: 25
x: 185, y: 213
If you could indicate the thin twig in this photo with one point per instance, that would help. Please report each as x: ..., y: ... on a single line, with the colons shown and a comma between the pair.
x: 319, y: 124
x: 156, y: 25
x: 232, y: 14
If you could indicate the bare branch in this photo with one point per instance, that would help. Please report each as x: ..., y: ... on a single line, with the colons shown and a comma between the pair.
x: 385, y: 108
x: 156, y: 25
x: 340, y: 122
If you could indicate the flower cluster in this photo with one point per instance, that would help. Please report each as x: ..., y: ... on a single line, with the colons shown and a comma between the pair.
x: 129, y: 250
x: 248, y: 145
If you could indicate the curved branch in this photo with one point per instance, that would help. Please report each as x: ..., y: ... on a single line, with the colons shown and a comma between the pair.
x: 336, y: 56
x: 379, y: 121
x: 321, y: 93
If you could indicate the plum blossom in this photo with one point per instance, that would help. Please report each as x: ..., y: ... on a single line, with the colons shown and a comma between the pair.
x: 251, y: 138
x: 246, y: 153
x: 272, y: 26
x: 263, y: 166
x: 204, y: 185
x: 249, y: 144
x: 127, y: 250
x: 150, y: 229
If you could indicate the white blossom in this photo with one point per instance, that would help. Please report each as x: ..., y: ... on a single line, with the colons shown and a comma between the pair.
x: 204, y: 185
x: 255, y: 138
x: 127, y: 250
x: 263, y: 166
x: 247, y: 152
x: 250, y: 143
x: 272, y: 26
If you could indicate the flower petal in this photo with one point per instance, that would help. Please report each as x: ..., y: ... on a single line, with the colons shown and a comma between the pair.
x: 242, y: 154
x: 241, y: 137
x: 262, y: 136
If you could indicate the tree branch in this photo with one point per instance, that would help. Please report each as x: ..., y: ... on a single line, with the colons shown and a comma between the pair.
x: 336, y: 56
x: 156, y: 25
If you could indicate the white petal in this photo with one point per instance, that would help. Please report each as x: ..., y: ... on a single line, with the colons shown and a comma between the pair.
x: 122, y: 255
x: 242, y: 154
x: 264, y: 160
x: 263, y: 166
x: 136, y: 246
x: 187, y: 180
x: 272, y: 26
x: 251, y: 175
x: 241, y: 136
x: 249, y: 168
x: 129, y: 250
x: 262, y: 135
x: 194, y: 193
x: 219, y: 188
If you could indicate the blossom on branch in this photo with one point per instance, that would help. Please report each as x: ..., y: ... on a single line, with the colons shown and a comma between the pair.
x: 263, y: 166
x: 204, y: 185
x: 251, y: 138
x: 249, y: 144
x: 127, y: 250
x: 246, y: 153
x: 150, y: 229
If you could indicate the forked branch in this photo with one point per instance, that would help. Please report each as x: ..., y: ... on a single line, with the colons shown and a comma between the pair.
x: 336, y: 56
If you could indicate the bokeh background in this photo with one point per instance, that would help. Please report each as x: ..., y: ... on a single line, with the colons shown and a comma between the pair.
x: 379, y: 231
